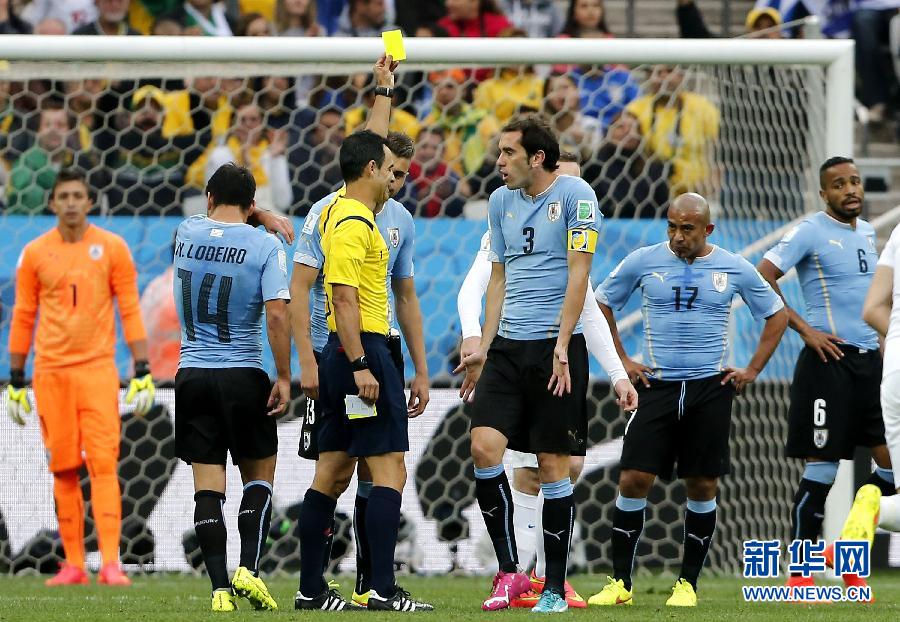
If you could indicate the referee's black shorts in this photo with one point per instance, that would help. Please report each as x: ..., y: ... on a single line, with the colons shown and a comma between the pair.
x: 683, y: 422
x: 221, y: 411
x: 835, y: 406
x: 384, y: 433
x: 512, y: 397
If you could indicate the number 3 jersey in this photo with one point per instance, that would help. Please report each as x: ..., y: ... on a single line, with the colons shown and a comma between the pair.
x: 835, y: 263
x: 532, y: 236
x: 686, y: 306
x: 224, y: 274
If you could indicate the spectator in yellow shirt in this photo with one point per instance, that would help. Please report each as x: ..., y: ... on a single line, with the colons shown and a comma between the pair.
x: 511, y: 89
x: 468, y: 131
x: 401, y: 121
x: 681, y: 128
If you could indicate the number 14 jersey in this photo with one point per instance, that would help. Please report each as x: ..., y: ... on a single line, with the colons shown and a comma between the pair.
x: 224, y: 273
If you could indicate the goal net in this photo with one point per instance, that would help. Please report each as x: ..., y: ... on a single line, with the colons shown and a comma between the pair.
x: 745, y: 123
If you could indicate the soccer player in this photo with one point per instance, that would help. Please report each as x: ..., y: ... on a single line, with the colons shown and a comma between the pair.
x: 225, y: 273
x: 687, y: 286
x: 70, y: 276
x: 526, y: 484
x: 881, y: 311
x: 531, y: 395
x: 365, y: 413
x: 834, y: 253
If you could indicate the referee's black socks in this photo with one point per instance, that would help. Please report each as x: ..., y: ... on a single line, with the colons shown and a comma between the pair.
x: 253, y: 522
x: 382, y: 527
x: 699, y: 526
x: 316, y: 527
x: 363, y: 556
x: 559, y: 520
x: 209, y: 525
x: 495, y: 501
x: 628, y: 524
x: 808, y: 510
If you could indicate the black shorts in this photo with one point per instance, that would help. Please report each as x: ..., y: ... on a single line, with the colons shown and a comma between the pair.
x: 384, y: 433
x: 223, y: 410
x: 512, y: 397
x: 835, y: 406
x: 309, y: 426
x: 680, y: 422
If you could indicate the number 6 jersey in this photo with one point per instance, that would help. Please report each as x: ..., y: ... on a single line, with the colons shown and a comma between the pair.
x: 686, y: 306
x: 224, y: 273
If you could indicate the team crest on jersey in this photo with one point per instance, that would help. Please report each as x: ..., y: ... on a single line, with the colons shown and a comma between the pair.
x: 820, y: 438
x: 95, y: 251
x: 720, y: 281
x: 554, y: 211
x: 394, y: 236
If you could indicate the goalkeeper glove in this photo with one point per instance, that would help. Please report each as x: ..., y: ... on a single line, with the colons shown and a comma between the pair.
x: 17, y: 403
x: 141, y: 389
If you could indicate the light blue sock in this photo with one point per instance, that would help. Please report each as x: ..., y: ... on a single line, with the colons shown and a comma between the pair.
x: 821, y: 472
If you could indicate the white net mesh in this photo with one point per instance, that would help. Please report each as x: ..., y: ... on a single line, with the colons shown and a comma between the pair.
x: 748, y: 137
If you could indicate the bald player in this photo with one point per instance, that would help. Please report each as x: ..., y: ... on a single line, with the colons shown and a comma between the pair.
x: 687, y: 286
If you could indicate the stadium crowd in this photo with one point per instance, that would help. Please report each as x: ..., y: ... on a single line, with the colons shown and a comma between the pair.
x: 149, y: 146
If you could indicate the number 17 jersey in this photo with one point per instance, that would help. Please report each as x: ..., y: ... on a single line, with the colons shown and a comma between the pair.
x: 224, y: 274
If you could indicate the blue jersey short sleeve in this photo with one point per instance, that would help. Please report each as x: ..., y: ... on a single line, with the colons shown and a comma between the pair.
x: 403, y: 267
x: 761, y: 299
x: 793, y: 247
x: 497, y: 250
x: 580, y: 204
x: 616, y: 289
x: 274, y: 276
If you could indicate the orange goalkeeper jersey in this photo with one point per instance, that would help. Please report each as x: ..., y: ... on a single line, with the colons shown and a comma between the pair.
x: 71, y: 287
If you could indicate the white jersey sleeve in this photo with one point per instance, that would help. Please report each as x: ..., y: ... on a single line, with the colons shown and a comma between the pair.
x: 468, y: 301
x: 599, y: 338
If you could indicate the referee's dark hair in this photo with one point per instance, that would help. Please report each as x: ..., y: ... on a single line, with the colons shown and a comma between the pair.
x: 357, y: 151
x: 830, y: 162
x: 232, y: 185
x: 536, y: 136
x: 400, y: 145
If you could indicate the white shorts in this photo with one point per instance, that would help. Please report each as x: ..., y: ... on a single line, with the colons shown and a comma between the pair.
x: 520, y: 459
x: 890, y: 411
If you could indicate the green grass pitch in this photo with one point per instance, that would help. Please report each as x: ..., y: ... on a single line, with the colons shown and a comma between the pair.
x: 166, y: 597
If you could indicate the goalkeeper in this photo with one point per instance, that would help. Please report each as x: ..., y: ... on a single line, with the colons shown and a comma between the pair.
x: 71, y: 275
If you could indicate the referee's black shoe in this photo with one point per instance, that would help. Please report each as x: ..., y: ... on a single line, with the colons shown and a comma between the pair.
x: 400, y: 601
x: 329, y: 600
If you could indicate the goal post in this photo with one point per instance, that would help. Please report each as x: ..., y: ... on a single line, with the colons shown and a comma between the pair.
x: 784, y: 107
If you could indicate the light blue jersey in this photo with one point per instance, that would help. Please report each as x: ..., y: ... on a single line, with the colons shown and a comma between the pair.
x: 224, y: 274
x: 398, y: 230
x: 835, y: 264
x: 532, y: 237
x: 686, y: 306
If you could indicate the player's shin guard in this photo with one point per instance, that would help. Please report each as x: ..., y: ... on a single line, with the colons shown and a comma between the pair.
x: 495, y: 500
x: 70, y: 515
x: 382, y: 527
x: 253, y: 522
x: 699, y: 526
x: 363, y: 553
x: 884, y: 479
x: 524, y: 524
x: 808, y: 511
x: 106, y: 502
x: 628, y: 525
x: 209, y: 525
x: 559, y: 520
x: 316, y: 526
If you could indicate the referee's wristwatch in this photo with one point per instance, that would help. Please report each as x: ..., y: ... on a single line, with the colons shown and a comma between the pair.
x: 385, y: 91
x: 360, y: 364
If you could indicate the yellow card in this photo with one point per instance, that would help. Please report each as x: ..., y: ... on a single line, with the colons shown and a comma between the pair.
x: 393, y: 44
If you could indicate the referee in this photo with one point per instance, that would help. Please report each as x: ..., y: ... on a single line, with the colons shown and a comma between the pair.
x: 361, y: 390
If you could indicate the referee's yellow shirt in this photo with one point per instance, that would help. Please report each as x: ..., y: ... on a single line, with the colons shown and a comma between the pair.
x: 355, y: 255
